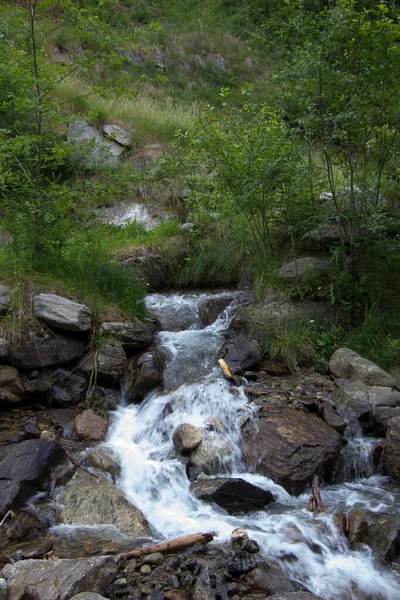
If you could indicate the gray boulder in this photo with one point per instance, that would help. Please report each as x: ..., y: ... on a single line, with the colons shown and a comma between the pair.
x: 93, y: 150
x: 328, y: 235
x: 4, y: 348
x: 89, y: 502
x: 89, y: 596
x: 241, y: 352
x: 132, y: 336
x: 108, y: 363
x: 187, y: 438
x: 22, y: 471
x: 295, y: 596
x: 380, y: 417
x: 105, y: 459
x: 123, y: 137
x: 210, y: 308
x: 45, y: 350
x: 5, y: 298
x: 58, y: 579
x: 303, y: 268
x: 144, y: 373
x: 384, y: 535
x: 347, y: 364
x: 62, y: 313
x: 11, y: 387
x: 289, y: 446
x: 391, y: 451
x: 90, y: 427
x: 269, y: 578
x: 212, y: 456
x: 68, y: 389
x: 364, y: 398
x: 232, y: 494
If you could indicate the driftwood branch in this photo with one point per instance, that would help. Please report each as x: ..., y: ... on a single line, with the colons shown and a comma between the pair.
x: 175, y: 545
x: 315, y: 502
x: 235, y: 379
x: 75, y: 462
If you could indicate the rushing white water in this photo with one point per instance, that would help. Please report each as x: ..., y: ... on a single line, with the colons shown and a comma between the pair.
x: 309, y: 547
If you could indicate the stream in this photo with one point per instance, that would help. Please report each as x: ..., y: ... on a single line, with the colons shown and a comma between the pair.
x: 309, y: 547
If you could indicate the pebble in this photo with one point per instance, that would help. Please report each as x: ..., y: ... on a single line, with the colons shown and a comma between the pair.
x: 145, y: 569
x: 154, y: 559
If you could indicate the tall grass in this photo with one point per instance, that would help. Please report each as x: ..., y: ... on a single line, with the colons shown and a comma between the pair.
x: 152, y: 120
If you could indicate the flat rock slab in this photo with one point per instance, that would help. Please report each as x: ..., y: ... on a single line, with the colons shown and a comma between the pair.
x: 109, y: 364
x: 62, y: 313
x: 289, y: 446
x: 303, y: 268
x: 347, y: 364
x: 235, y: 495
x: 364, y: 398
x: 123, y: 137
x: 45, y: 350
x: 58, y: 579
x: 132, y: 336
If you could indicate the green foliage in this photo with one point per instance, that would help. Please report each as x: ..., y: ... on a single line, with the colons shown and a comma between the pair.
x: 293, y: 345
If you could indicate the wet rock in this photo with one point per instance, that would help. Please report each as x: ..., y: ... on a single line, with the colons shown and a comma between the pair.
x: 384, y: 535
x: 58, y: 579
x: 89, y: 596
x: 245, y: 559
x: 62, y: 313
x: 105, y: 459
x: 364, y: 398
x: 347, y: 364
x: 154, y: 559
x: 108, y: 364
x: 90, y: 427
x: 3, y: 589
x: 4, y: 348
x: 144, y: 374
x: 68, y: 389
x: 80, y: 541
x: 238, y: 537
x: 358, y: 529
x: 341, y: 521
x: 269, y: 578
x: 11, y: 388
x: 380, y: 417
x: 24, y: 468
x: 295, y: 596
x: 289, y: 446
x: 241, y: 352
x: 31, y: 431
x: 132, y: 336
x: 63, y: 421
x: 102, y: 400
x: 95, y: 502
x: 303, y: 268
x: 93, y: 151
x: 26, y: 523
x: 332, y: 417
x: 123, y: 137
x: 234, y: 495
x: 38, y: 386
x: 210, y: 308
x: 391, y: 451
x: 187, y: 438
x: 212, y: 456
x: 203, y: 589
x: 5, y: 298
x: 272, y: 367
x: 45, y: 350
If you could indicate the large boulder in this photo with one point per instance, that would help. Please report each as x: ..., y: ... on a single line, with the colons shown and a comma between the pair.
x: 347, y: 364
x: 156, y: 268
x: 232, y: 494
x: 23, y: 470
x: 187, y: 438
x: 58, y: 579
x: 391, y: 451
x: 303, y: 268
x: 132, y: 336
x: 384, y: 535
x: 211, y: 307
x: 289, y: 446
x: 108, y: 364
x: 380, y: 417
x: 93, y: 150
x: 123, y: 137
x: 45, y: 350
x: 327, y: 235
x: 62, y: 313
x: 105, y: 459
x: 144, y: 373
x: 89, y: 502
x: 241, y: 352
x: 11, y: 387
x: 5, y: 299
x: 90, y: 427
x: 68, y: 389
x: 269, y: 578
x: 212, y: 456
x: 364, y: 398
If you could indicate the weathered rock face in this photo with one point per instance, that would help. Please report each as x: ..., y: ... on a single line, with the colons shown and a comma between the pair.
x: 303, y: 268
x: 62, y: 313
x: 45, y: 350
x: 88, y: 502
x: 144, y: 373
x: 358, y: 529
x: 5, y: 298
x: 89, y: 596
x: 212, y: 456
x: 364, y: 398
x: 92, y: 149
x: 295, y: 596
x: 63, y: 421
x: 391, y: 451
x: 90, y: 427
x: 155, y: 268
x: 332, y: 417
x: 11, y: 388
x: 132, y: 336
x: 290, y: 446
x: 123, y: 137
x: 380, y: 417
x: 211, y: 308
x: 58, y: 579
x: 102, y: 400
x: 241, y: 352
x: 109, y: 363
x: 4, y: 348
x: 105, y: 459
x: 384, y: 535
x: 187, y: 438
x: 68, y: 389
x: 347, y: 364
x: 234, y: 495
x: 327, y: 236
x: 24, y: 468
x: 269, y: 578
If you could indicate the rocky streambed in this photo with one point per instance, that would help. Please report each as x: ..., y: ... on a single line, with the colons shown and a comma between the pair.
x: 179, y: 449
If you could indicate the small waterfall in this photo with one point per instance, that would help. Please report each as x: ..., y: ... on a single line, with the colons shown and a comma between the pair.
x: 309, y: 547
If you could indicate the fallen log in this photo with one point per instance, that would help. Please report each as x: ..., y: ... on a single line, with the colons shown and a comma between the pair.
x: 172, y: 546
